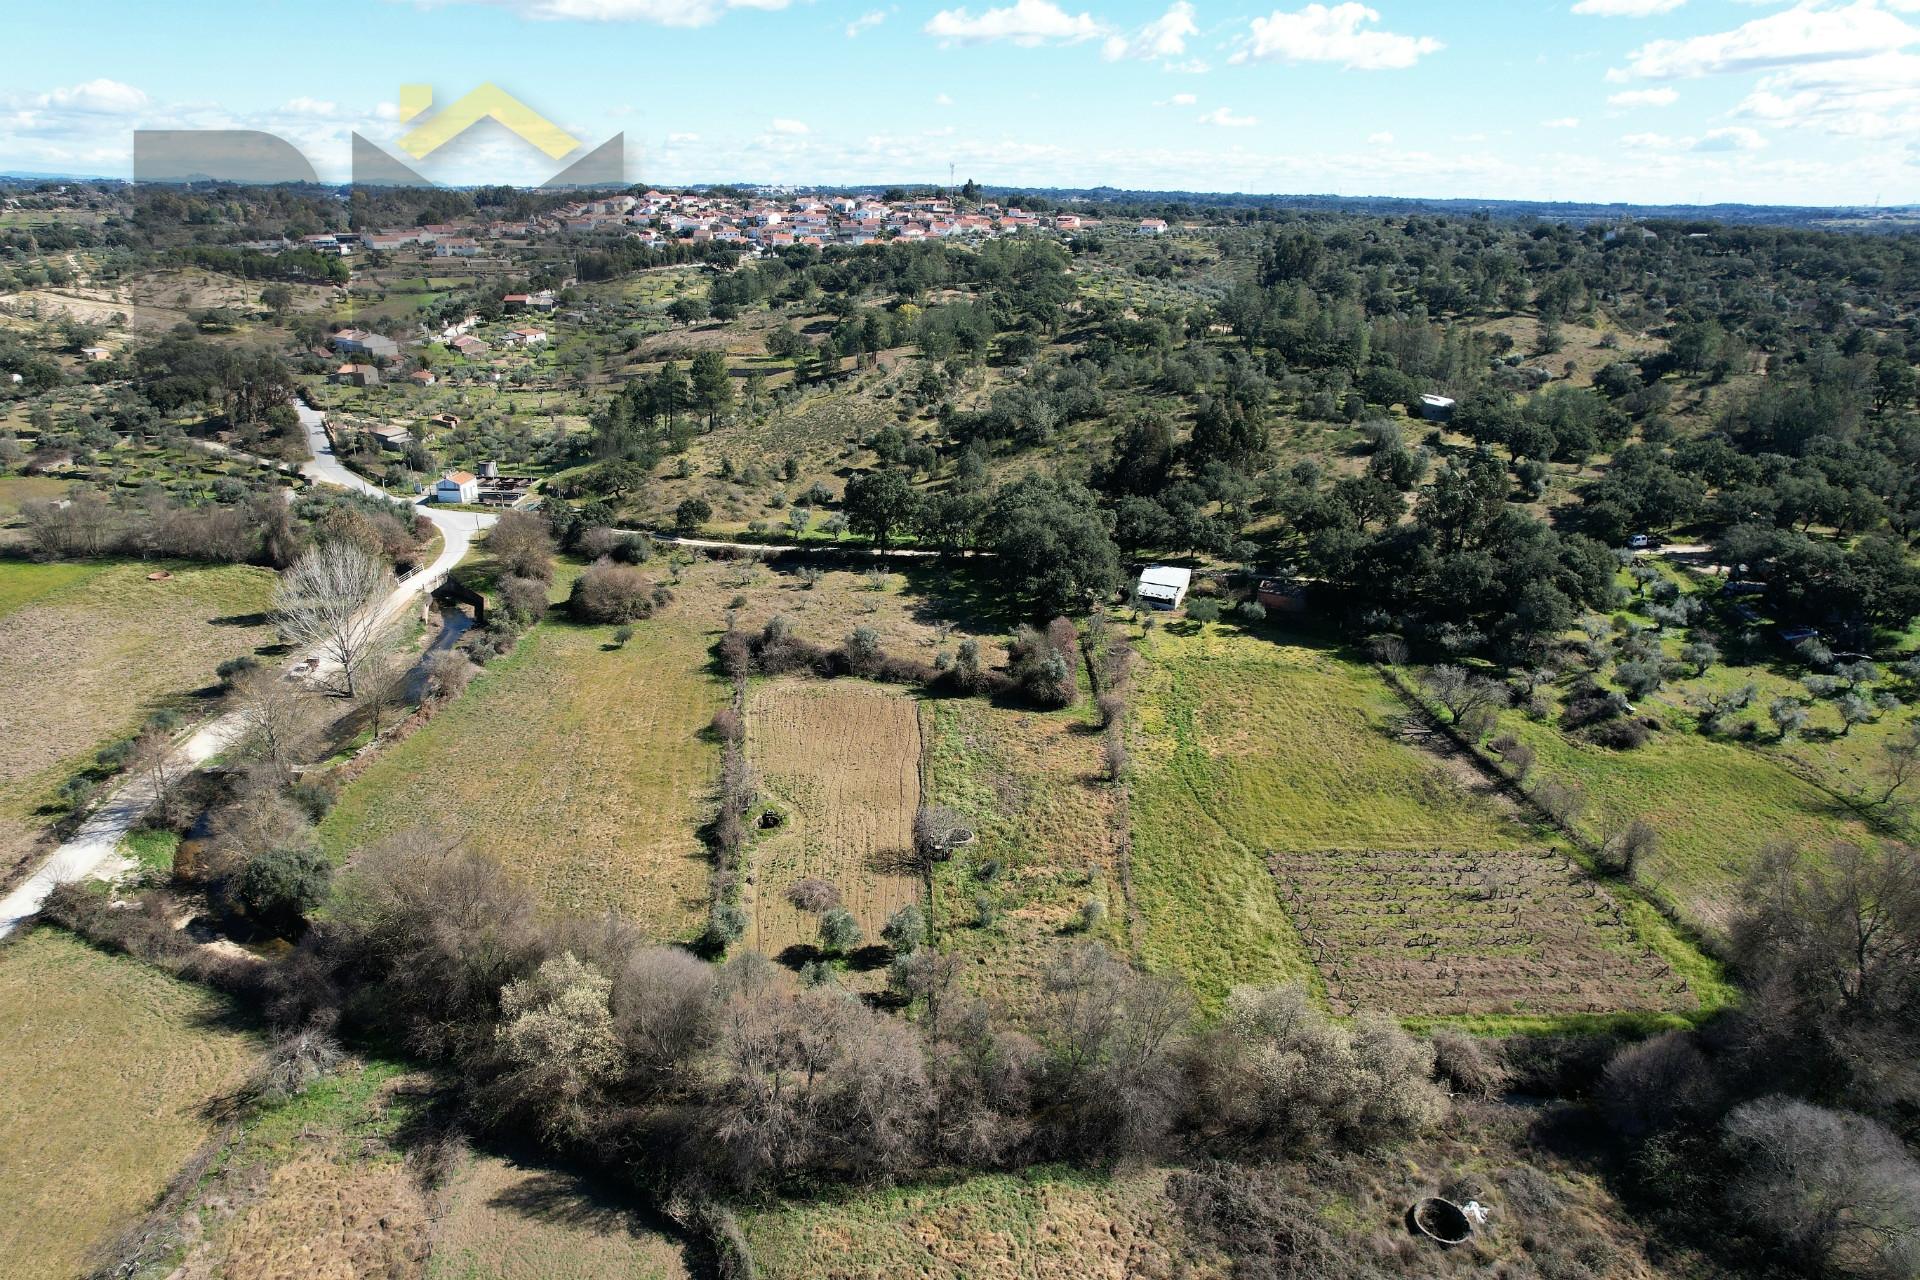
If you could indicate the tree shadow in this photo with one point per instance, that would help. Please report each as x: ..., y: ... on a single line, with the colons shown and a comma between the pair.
x: 260, y: 619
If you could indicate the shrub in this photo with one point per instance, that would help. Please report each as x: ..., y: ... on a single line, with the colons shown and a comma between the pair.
x: 815, y: 897
x: 1253, y: 611
x: 906, y: 929
x: 1092, y: 912
x: 610, y: 592
x: 839, y: 931
x: 1203, y: 610
x: 1467, y: 1064
x: 1111, y: 707
x: 726, y: 923
x: 1624, y: 734
x: 279, y: 887
x: 692, y: 513
x: 522, y: 599
x: 728, y: 725
x: 622, y: 634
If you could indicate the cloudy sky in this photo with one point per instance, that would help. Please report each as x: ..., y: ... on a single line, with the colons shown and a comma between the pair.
x: 1646, y: 100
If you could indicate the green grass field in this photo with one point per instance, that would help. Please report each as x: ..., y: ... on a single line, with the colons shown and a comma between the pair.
x: 1252, y: 742
x: 580, y: 766
x: 107, y: 1071
x: 22, y: 582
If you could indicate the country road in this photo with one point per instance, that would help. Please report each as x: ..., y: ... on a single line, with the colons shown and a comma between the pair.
x: 94, y: 849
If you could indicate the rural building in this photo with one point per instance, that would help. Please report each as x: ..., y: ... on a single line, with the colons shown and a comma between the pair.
x: 425, y: 377
x: 527, y: 337
x: 1276, y: 593
x: 1163, y: 586
x: 95, y: 354
x: 468, y: 345
x: 361, y: 342
x: 356, y: 375
x: 1152, y: 226
x: 446, y: 420
x: 457, y: 486
x: 393, y: 439
x: 1436, y: 408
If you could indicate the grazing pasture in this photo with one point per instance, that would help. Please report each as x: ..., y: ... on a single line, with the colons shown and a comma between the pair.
x: 580, y: 765
x: 839, y: 762
x: 110, y: 1078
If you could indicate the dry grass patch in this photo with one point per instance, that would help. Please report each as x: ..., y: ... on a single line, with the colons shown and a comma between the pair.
x: 107, y: 1070
x: 505, y: 1221
x: 1048, y: 840
x: 840, y: 760
x: 326, y: 1215
x: 1048, y: 1224
x: 87, y: 658
x: 581, y: 766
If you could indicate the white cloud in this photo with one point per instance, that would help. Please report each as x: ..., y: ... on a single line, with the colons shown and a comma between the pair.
x: 1025, y: 22
x: 1811, y: 31
x: 942, y: 100
x: 1650, y: 142
x: 793, y: 127
x: 1321, y: 34
x: 1626, y: 8
x: 1644, y: 98
x: 1874, y: 97
x: 1165, y: 37
x: 1180, y: 100
x: 104, y: 97
x: 1564, y: 122
x: 1732, y: 138
x: 866, y: 22
x: 1225, y: 119
x: 681, y: 139
x: 665, y: 13
x: 1380, y: 139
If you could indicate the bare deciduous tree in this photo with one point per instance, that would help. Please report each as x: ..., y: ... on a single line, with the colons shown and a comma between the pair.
x: 278, y: 720
x: 330, y: 601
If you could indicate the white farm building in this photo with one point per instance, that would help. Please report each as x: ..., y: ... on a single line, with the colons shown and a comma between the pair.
x: 1163, y: 586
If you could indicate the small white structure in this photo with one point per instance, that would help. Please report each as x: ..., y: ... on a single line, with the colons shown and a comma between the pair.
x: 1163, y: 586
x: 457, y: 486
x: 1436, y: 408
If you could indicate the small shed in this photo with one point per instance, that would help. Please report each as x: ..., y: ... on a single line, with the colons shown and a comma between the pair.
x: 1164, y: 586
x: 457, y: 486
x: 1279, y: 594
x: 1436, y: 408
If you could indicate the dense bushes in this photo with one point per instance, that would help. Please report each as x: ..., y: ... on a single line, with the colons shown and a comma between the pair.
x: 613, y: 592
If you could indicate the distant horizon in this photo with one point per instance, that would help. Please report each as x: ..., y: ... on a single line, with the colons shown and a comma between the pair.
x: 1061, y: 192
x: 1695, y: 103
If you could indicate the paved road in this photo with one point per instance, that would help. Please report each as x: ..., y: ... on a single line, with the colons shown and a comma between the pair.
x: 95, y: 847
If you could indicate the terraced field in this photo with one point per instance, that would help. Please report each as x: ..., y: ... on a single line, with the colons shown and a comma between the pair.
x: 1440, y: 935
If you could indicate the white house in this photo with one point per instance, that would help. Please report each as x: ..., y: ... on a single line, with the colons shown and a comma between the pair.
x: 1436, y: 408
x: 457, y: 486
x: 1163, y: 586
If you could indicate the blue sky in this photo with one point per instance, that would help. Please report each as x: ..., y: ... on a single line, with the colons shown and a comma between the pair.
x: 1647, y: 100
